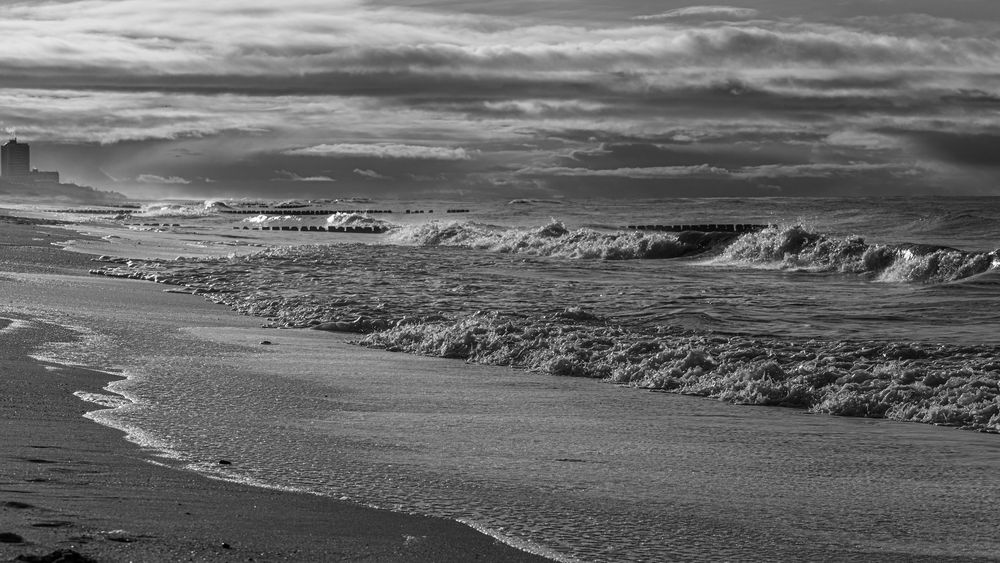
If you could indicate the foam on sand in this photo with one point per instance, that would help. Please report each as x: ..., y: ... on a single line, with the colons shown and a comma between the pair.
x: 940, y: 384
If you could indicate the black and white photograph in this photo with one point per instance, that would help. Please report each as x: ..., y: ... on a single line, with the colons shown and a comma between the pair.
x: 504, y: 281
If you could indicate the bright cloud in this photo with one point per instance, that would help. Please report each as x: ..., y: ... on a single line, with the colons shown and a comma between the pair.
x: 652, y: 172
x: 703, y: 11
x: 285, y: 175
x: 457, y: 96
x: 370, y: 174
x: 155, y: 179
x: 99, y: 41
x: 382, y: 150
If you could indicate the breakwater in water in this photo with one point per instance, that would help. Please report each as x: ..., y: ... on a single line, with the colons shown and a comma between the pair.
x: 538, y: 313
x: 363, y: 229
x: 704, y: 227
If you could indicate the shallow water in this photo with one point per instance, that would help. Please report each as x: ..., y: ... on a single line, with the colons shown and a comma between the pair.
x: 810, y: 317
x: 584, y: 469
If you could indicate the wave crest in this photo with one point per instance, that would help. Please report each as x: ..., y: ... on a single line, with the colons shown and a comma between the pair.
x: 923, y: 382
x: 357, y: 220
x: 905, y: 382
x: 555, y: 240
x: 797, y: 248
x: 178, y: 210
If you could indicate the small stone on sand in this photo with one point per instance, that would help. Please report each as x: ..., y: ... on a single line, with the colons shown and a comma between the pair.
x: 58, y: 556
x: 10, y: 537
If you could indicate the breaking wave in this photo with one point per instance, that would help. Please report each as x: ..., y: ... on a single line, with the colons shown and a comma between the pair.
x: 555, y: 240
x: 534, y: 201
x: 796, y: 248
x: 268, y: 219
x: 206, y: 209
x: 393, y: 300
x: 945, y: 385
x: 357, y: 220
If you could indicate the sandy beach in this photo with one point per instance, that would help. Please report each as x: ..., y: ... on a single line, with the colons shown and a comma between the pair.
x: 78, y: 490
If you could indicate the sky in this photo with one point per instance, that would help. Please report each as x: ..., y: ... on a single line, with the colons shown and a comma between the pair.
x: 491, y: 99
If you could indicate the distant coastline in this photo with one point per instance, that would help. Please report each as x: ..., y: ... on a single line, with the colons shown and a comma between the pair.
x: 20, y: 182
x: 56, y: 192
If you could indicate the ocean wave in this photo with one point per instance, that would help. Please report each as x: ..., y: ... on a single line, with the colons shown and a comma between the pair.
x: 951, y: 222
x: 555, y: 240
x: 267, y: 219
x: 357, y: 220
x: 369, y: 292
x: 178, y: 210
x: 945, y: 385
x: 797, y: 248
x: 334, y: 220
x: 299, y: 203
x: 532, y: 201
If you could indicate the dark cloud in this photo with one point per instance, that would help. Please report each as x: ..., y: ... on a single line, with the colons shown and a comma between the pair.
x: 961, y: 149
x: 289, y: 176
x: 819, y: 181
x: 747, y: 96
x: 702, y: 12
x: 644, y: 155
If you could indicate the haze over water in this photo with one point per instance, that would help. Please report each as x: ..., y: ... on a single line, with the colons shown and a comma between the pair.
x: 873, y: 309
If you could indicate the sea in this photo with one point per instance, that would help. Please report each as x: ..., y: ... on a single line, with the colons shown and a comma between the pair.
x: 592, y: 380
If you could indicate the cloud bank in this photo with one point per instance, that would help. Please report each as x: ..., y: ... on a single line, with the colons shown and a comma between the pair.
x: 154, y: 179
x: 382, y: 150
x: 285, y: 175
x: 485, y: 99
x: 702, y: 11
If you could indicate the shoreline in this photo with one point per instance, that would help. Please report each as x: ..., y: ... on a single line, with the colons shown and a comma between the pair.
x: 587, y: 470
x: 67, y: 483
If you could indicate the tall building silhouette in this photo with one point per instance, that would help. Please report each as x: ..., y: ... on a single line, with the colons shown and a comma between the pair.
x: 15, y: 165
x: 15, y: 159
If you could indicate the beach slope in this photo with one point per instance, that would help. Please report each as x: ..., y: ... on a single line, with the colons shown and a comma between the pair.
x: 74, y: 489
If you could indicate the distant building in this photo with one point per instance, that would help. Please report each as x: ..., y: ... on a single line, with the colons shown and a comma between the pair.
x: 44, y: 176
x: 15, y: 165
x: 15, y: 159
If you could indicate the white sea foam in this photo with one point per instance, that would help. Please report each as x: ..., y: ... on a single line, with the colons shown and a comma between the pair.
x: 934, y: 384
x: 177, y: 210
x: 916, y: 382
x: 79, y: 353
x: 555, y: 240
x: 15, y: 325
x: 533, y: 201
x: 523, y: 545
x: 741, y: 333
x: 104, y: 400
x: 390, y: 294
x: 266, y: 219
x: 799, y: 249
x: 357, y: 220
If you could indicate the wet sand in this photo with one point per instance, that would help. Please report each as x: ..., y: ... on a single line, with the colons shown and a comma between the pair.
x: 72, y: 487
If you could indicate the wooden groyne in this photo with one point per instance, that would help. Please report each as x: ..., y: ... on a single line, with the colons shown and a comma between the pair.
x: 92, y: 211
x: 359, y: 229
x: 262, y: 211
x: 704, y: 228
x: 287, y: 211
